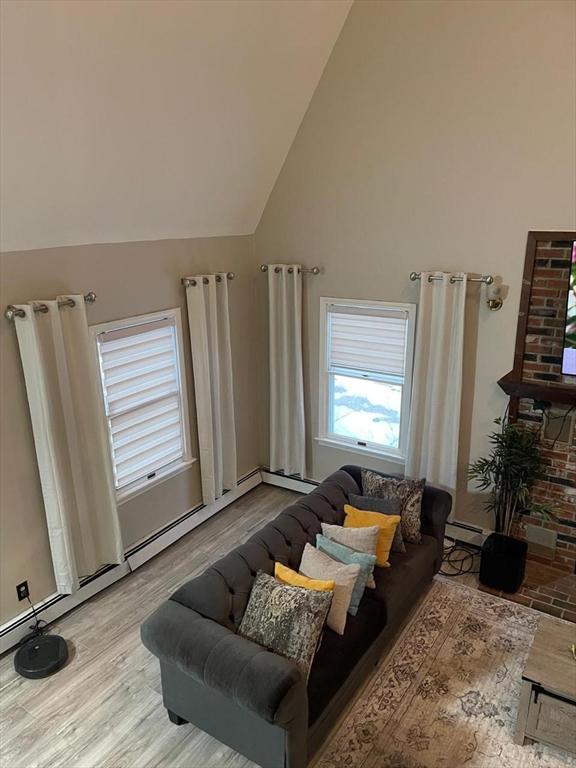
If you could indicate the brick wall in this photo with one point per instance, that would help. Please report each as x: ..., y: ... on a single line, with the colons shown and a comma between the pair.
x: 543, y: 362
x: 547, y: 314
x: 559, y: 488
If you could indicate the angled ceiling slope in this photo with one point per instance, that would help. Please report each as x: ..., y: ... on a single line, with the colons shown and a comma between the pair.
x: 151, y: 119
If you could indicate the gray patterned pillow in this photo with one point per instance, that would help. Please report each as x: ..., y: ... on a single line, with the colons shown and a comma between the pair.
x: 407, y: 490
x: 286, y: 620
x: 389, y: 506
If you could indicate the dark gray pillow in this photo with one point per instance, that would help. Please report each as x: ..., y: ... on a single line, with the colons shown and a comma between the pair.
x: 286, y: 620
x: 406, y: 489
x: 389, y: 506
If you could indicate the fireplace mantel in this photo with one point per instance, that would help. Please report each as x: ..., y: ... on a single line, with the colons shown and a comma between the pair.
x: 555, y: 393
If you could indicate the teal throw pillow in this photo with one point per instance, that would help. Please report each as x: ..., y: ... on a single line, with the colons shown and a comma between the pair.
x: 350, y: 557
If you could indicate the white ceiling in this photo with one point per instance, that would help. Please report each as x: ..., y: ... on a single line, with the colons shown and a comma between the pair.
x: 151, y: 119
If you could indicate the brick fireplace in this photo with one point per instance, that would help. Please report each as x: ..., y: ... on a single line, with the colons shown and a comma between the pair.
x: 545, y: 399
x: 542, y: 362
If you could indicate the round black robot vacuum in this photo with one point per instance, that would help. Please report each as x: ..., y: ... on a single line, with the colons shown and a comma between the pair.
x: 41, y: 656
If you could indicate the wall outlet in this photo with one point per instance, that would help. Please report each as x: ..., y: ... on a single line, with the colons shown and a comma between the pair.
x: 22, y: 590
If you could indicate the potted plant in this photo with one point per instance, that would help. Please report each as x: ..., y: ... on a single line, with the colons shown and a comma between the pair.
x: 508, y: 473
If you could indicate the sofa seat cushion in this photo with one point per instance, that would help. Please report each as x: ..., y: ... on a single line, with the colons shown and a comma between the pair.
x: 396, y: 587
x: 338, y: 654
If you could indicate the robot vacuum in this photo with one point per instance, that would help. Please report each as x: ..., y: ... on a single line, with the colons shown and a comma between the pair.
x: 41, y: 656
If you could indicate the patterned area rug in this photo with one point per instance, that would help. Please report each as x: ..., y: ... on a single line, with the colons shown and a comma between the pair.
x: 447, y: 693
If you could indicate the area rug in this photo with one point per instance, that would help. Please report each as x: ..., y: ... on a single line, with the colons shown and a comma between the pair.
x: 446, y: 695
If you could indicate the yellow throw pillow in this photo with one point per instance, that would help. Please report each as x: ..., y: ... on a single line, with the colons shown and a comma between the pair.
x: 359, y: 518
x: 287, y: 576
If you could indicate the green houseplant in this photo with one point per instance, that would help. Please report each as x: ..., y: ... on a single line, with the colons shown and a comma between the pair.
x: 508, y: 473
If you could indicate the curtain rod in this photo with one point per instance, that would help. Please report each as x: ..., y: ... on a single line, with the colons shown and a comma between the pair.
x: 11, y: 311
x: 188, y: 281
x: 488, y: 279
x: 312, y: 270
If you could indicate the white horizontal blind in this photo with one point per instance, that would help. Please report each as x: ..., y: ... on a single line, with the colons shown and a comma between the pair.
x: 141, y: 384
x: 367, y: 339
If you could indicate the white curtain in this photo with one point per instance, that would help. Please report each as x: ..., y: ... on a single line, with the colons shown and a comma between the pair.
x: 212, y: 362
x: 72, y: 447
x: 287, y: 435
x: 437, y: 379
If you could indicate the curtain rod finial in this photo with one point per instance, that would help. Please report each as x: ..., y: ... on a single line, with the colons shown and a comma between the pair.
x: 10, y: 312
x: 263, y: 267
x: 90, y: 297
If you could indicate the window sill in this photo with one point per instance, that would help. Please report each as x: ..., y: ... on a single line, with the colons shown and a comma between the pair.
x: 122, y: 497
x: 330, y: 443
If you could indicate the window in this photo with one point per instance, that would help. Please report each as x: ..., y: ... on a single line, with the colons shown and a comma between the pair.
x: 366, y: 350
x: 144, y: 395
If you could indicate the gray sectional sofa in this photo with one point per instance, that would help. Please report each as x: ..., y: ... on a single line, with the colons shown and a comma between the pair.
x: 257, y: 701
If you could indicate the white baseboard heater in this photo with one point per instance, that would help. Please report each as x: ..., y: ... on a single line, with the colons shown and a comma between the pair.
x: 54, y: 606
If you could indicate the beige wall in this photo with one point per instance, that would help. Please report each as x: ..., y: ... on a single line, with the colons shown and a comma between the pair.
x: 148, y: 119
x: 440, y: 133
x: 129, y: 279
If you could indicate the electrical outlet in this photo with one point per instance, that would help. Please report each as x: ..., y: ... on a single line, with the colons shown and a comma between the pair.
x: 22, y: 590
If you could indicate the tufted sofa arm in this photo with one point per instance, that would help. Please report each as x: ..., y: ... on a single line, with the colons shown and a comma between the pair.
x: 436, y: 507
x: 265, y: 683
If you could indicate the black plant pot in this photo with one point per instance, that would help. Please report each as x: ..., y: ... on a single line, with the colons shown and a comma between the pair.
x: 503, y: 562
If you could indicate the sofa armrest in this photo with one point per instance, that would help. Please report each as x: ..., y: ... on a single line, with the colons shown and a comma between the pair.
x: 436, y: 506
x: 254, y: 678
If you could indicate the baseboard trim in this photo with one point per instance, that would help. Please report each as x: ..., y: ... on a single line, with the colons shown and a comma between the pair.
x: 168, y: 535
x: 291, y: 483
x: 467, y: 534
x: 54, y: 606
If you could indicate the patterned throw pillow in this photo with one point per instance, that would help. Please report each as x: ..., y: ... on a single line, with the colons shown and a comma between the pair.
x: 286, y: 620
x: 360, y: 539
x: 407, y: 490
x: 317, y: 565
x: 389, y: 506
x: 350, y: 557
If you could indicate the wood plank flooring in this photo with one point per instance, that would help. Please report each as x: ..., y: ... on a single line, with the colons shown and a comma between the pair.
x: 104, y: 709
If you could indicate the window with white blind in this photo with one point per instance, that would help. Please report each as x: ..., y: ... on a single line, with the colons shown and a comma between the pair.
x: 144, y: 396
x: 366, y: 351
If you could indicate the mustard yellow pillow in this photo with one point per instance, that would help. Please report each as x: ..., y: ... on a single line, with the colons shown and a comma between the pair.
x: 359, y: 518
x: 287, y: 576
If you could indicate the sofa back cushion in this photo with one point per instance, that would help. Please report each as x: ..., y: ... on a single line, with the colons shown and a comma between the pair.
x: 221, y: 593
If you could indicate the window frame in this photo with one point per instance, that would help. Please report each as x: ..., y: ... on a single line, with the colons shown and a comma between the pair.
x: 325, y: 437
x: 179, y: 465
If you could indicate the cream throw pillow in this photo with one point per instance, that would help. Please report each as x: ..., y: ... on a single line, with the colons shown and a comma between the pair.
x: 317, y: 565
x: 359, y: 539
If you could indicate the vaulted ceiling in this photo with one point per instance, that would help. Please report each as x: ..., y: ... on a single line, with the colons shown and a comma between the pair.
x: 153, y: 118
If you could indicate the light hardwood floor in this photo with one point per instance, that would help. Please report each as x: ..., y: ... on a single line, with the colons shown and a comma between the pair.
x: 104, y: 709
